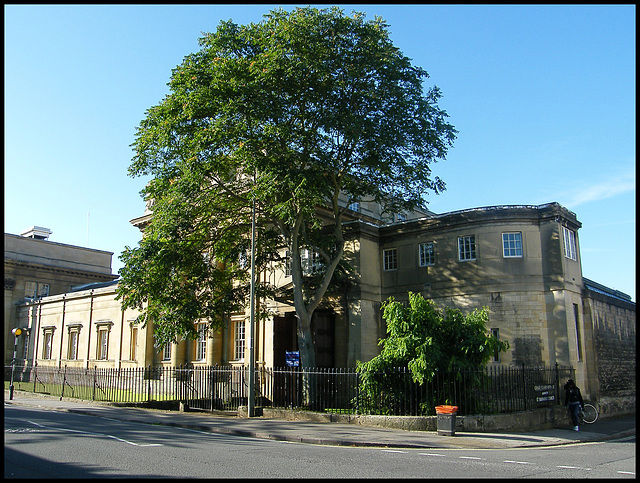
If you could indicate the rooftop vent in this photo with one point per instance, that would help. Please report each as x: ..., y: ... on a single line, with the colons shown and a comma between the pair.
x: 37, y: 232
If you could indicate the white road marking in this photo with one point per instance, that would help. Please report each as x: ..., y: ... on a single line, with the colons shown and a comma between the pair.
x: 573, y: 468
x: 94, y: 434
x: 518, y: 462
x: 430, y: 454
x: 393, y: 451
x: 470, y: 458
x: 626, y: 472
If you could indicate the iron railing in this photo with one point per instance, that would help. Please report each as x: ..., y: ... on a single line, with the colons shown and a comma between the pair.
x: 493, y: 390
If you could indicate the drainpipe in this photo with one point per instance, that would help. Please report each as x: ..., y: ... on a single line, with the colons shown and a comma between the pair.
x: 64, y: 307
x: 119, y: 361
x: 89, y: 329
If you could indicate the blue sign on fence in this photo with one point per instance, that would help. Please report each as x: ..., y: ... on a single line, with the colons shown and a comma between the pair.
x: 292, y: 358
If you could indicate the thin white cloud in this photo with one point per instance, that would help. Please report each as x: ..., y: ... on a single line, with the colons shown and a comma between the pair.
x: 608, y: 187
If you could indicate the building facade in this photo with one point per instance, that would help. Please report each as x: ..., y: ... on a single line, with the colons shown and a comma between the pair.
x: 35, y: 267
x: 522, y: 262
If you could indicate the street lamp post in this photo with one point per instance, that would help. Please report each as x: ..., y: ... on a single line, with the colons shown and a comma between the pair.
x: 252, y: 303
x: 17, y: 332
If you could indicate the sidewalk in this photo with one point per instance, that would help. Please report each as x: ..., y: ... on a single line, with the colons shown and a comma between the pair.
x: 338, y: 434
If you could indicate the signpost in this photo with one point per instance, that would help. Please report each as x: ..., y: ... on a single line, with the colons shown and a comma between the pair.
x: 545, y: 393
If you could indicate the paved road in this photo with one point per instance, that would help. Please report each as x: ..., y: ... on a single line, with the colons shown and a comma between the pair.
x: 335, y: 433
x: 44, y: 442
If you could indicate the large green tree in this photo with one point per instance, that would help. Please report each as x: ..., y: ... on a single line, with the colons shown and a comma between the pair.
x: 288, y: 114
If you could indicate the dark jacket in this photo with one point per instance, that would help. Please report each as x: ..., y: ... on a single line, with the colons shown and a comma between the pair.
x: 572, y: 394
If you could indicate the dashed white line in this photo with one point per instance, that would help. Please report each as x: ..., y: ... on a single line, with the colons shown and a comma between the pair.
x: 91, y: 433
x: 470, y: 458
x: 573, y: 468
x: 430, y: 454
x: 393, y: 451
x: 626, y: 472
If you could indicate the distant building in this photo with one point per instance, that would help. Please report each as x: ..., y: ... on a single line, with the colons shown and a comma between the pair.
x: 35, y: 267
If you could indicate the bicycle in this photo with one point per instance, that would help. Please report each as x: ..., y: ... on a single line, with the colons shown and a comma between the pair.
x: 588, y: 415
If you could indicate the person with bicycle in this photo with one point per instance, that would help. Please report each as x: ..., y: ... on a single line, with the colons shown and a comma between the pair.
x: 573, y: 400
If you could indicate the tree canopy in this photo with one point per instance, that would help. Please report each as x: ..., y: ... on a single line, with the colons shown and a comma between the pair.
x: 296, y: 112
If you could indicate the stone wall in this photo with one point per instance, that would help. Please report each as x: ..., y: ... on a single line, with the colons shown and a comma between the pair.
x: 543, y: 418
x: 614, y: 334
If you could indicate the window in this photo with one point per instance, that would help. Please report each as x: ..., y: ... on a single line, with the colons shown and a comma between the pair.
x: 103, y: 344
x: 103, y: 329
x: 201, y: 342
x: 166, y: 352
x: 570, y: 250
x: 73, y: 344
x: 311, y: 262
x: 390, y: 259
x: 576, y: 315
x: 25, y: 347
x: 467, y: 248
x: 496, y: 354
x: 287, y: 264
x: 47, y: 344
x: 133, y: 350
x: 43, y: 289
x: 239, y: 339
x: 30, y: 289
x: 35, y: 289
x: 427, y: 254
x: 512, y: 245
x: 355, y: 206
x: 244, y: 260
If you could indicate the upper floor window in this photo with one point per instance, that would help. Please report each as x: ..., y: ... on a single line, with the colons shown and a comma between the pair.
x: 570, y: 247
x: 427, y: 254
x: 287, y: 264
x: 311, y: 261
x: 390, y: 259
x: 36, y: 290
x: 512, y: 245
x: 467, y: 248
x: 355, y: 206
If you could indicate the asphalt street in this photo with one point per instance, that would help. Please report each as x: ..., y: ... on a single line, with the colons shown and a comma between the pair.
x: 337, y: 434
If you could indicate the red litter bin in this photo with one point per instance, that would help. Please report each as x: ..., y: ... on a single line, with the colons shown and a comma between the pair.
x: 446, y: 420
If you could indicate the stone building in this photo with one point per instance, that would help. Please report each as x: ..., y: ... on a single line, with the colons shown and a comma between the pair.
x: 35, y: 267
x: 522, y: 262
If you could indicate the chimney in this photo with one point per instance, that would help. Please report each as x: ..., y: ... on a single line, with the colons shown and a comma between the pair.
x: 37, y: 232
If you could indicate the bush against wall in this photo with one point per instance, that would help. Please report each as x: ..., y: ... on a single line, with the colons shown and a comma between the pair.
x: 428, y: 341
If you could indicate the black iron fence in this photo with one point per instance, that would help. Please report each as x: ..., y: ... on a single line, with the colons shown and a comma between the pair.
x: 494, y: 390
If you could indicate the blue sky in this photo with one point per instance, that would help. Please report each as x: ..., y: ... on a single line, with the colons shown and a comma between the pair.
x: 543, y: 96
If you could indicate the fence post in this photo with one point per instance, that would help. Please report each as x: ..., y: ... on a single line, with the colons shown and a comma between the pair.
x: 149, y: 376
x: 95, y: 381
x: 524, y: 387
x: 64, y: 380
x: 557, y: 385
